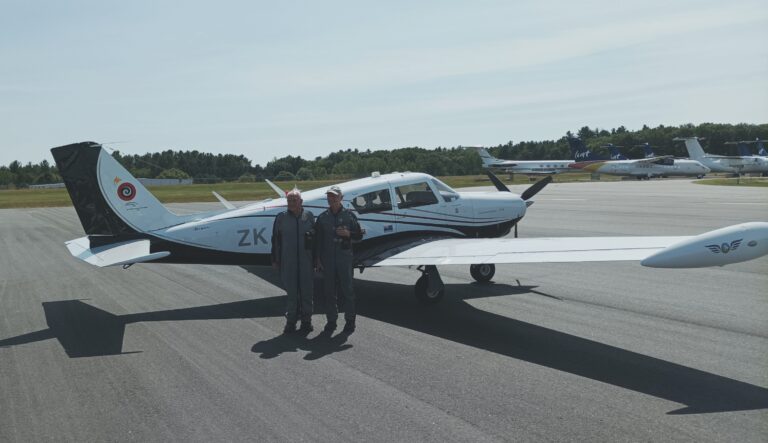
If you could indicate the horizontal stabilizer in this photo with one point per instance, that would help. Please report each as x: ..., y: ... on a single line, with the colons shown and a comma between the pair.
x: 124, y: 253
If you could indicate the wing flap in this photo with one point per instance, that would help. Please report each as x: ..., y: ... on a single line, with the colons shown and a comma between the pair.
x: 123, y: 253
x: 538, y: 250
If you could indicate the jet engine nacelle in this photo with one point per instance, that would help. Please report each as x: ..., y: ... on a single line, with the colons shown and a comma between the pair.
x: 720, y: 247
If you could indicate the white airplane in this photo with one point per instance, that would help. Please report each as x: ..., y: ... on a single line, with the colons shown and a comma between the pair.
x: 411, y: 219
x: 723, y: 163
x: 523, y: 166
x: 643, y: 168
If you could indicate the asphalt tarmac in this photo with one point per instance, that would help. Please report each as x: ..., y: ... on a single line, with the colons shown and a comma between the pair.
x: 552, y: 352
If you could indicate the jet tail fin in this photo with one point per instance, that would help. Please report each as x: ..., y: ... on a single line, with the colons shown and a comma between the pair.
x: 580, y: 151
x: 761, y: 148
x: 648, y: 150
x: 692, y: 145
x: 485, y: 156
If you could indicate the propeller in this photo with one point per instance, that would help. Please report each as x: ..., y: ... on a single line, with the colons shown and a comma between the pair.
x: 535, y: 188
x: 496, y: 182
x: 527, y: 194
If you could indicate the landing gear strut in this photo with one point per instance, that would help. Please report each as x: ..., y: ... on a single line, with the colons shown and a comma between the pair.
x: 482, y: 273
x: 429, y: 287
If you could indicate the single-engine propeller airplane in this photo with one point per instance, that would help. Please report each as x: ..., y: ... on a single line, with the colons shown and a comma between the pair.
x: 411, y: 219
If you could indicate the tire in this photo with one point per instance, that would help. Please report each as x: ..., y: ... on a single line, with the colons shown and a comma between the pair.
x: 482, y: 273
x: 423, y: 296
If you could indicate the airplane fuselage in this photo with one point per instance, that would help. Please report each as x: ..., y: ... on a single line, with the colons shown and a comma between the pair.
x: 532, y: 166
x: 740, y: 165
x: 665, y: 167
x: 392, y: 208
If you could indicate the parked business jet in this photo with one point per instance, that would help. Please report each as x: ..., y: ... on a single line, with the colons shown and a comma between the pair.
x: 723, y: 163
x: 410, y: 219
x: 523, y: 166
x: 644, y: 168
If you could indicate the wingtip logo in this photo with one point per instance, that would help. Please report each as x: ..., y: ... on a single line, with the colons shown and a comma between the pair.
x: 725, y: 247
x: 126, y: 191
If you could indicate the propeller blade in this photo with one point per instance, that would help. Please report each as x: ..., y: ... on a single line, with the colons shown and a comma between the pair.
x: 535, y: 188
x: 496, y: 182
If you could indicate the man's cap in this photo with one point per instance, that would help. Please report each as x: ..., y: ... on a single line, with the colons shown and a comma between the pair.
x: 334, y: 190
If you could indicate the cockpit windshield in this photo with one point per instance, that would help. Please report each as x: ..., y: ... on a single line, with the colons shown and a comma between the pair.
x: 446, y: 192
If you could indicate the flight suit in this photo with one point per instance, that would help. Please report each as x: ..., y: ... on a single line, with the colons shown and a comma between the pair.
x: 292, y: 248
x: 335, y: 254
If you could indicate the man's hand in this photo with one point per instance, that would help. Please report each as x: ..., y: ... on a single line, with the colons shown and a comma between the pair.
x: 342, y: 231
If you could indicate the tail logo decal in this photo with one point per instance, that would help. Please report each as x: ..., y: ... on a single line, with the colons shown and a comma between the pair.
x: 725, y: 247
x: 126, y: 191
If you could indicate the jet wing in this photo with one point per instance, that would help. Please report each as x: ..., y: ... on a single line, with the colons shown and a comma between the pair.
x: 649, y: 160
x: 465, y: 251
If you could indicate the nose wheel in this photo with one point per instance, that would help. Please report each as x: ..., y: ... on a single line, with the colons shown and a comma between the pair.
x: 482, y: 273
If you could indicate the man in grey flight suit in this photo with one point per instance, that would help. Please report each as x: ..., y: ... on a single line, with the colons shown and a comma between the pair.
x: 292, y: 254
x: 335, y: 230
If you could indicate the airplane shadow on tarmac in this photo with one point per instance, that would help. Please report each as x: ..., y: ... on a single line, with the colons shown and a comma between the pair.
x: 86, y: 331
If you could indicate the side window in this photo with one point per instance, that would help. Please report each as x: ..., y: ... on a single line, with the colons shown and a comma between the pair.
x: 417, y: 194
x: 375, y: 201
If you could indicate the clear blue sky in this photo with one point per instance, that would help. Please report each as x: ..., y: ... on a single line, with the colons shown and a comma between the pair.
x: 268, y: 79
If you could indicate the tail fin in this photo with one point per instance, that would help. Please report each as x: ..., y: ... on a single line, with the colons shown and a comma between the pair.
x: 580, y: 151
x: 648, y: 150
x: 614, y: 150
x: 695, y: 151
x: 485, y: 156
x: 743, y: 149
x: 761, y: 148
x: 107, y: 198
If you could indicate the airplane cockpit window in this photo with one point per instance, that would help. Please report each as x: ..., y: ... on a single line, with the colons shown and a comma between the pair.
x: 445, y: 191
x: 375, y: 201
x: 417, y: 194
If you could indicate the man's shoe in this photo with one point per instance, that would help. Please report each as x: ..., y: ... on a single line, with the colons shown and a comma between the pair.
x: 306, y: 327
x: 330, y: 327
x: 349, y: 327
x: 290, y: 328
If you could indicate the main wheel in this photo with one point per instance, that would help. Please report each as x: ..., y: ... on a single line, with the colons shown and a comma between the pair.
x: 423, y: 295
x: 482, y: 273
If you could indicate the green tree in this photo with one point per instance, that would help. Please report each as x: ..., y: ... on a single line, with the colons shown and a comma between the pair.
x: 173, y: 173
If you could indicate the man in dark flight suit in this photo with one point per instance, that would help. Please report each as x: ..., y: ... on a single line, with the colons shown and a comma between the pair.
x: 292, y: 254
x: 335, y: 230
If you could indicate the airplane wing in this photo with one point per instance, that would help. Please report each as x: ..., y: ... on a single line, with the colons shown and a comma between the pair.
x: 732, y: 244
x: 461, y: 251
x: 650, y: 160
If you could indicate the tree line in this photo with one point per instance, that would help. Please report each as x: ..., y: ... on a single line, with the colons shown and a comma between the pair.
x: 351, y: 163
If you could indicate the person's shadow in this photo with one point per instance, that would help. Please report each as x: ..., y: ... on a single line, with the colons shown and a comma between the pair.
x: 319, y: 346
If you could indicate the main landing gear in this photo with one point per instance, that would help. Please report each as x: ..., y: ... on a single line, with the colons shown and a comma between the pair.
x: 482, y: 273
x: 430, y: 289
